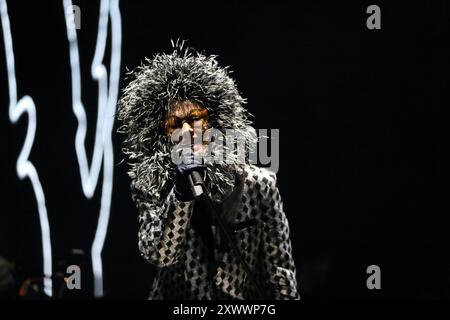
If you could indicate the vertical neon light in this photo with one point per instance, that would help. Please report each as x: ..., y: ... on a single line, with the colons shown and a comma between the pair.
x: 107, y: 99
x: 24, y: 166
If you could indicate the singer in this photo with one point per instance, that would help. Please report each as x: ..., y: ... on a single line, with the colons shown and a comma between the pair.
x: 188, y: 93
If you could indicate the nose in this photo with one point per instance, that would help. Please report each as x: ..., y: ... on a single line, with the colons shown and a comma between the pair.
x: 187, y: 127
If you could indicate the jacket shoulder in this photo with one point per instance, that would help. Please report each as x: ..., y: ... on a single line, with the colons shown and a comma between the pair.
x: 261, y: 179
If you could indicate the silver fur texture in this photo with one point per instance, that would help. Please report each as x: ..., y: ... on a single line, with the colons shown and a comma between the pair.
x: 182, y: 75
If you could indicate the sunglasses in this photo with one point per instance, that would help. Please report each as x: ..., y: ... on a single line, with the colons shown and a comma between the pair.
x: 174, y: 122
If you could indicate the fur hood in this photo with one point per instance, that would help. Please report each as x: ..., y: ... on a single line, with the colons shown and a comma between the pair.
x: 181, y: 75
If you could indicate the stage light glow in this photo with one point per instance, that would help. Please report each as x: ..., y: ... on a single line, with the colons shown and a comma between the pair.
x: 24, y: 166
x: 107, y: 99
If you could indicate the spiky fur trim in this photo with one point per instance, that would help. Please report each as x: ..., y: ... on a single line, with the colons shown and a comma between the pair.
x: 182, y: 75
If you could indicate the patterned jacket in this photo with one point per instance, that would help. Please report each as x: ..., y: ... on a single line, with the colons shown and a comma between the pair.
x: 191, y: 268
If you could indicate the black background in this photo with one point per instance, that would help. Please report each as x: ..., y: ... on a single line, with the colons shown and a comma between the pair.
x: 364, y: 129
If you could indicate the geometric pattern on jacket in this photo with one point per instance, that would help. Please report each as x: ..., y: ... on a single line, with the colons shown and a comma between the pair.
x: 254, y: 210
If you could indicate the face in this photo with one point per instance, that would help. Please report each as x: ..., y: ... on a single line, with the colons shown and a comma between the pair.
x: 189, y: 117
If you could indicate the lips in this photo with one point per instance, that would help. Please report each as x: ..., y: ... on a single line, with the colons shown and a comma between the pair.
x: 198, y: 148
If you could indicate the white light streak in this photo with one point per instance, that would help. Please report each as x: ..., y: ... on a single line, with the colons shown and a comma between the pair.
x: 107, y: 99
x: 23, y: 166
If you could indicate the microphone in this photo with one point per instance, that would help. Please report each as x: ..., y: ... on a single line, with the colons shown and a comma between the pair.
x: 196, y: 183
x: 193, y: 168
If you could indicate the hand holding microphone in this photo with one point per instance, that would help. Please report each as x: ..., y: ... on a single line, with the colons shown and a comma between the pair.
x: 189, y: 178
